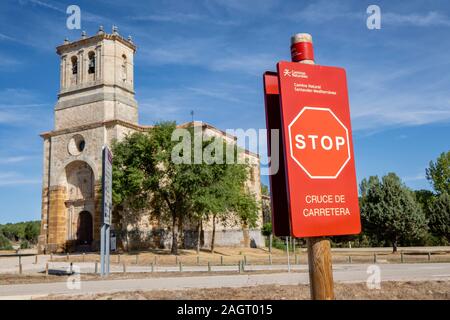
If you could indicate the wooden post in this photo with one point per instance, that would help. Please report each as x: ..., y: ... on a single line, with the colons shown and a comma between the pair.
x: 71, y: 268
x: 20, y: 268
x: 181, y: 266
x: 156, y: 260
x: 239, y: 266
x: 319, y: 248
x: 198, y: 260
x: 401, y: 257
x: 320, y: 269
x: 176, y: 260
x: 245, y: 259
x: 96, y: 267
x: 350, y: 259
x: 51, y: 256
x: 118, y: 258
x: 296, y: 259
x: 68, y: 258
x: 270, y: 259
x: 293, y: 244
x: 46, y: 269
x: 374, y: 258
x: 124, y: 266
x: 287, y: 252
x: 137, y: 259
x: 209, y: 266
x: 243, y: 266
x: 20, y: 259
x: 153, y: 267
x: 429, y: 256
x: 35, y: 259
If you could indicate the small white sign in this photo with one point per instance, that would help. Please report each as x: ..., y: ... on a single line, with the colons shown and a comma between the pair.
x: 107, y: 185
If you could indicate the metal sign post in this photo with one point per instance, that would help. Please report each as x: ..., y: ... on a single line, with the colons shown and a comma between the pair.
x: 106, y: 211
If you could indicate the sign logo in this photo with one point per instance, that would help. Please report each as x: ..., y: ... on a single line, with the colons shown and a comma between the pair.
x: 319, y: 143
x: 295, y: 74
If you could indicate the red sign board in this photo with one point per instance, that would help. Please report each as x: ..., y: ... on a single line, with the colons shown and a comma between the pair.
x: 318, y: 150
x: 277, y: 178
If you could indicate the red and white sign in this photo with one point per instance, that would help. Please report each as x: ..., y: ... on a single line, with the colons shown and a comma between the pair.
x: 320, y: 170
x: 319, y: 143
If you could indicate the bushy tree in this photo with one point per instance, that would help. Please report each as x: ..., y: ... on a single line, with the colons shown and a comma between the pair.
x: 146, y: 177
x: 31, y: 231
x: 389, y: 210
x: 438, y: 174
x: 5, y: 244
x: 21, y: 231
x: 266, y: 229
x: 439, y: 220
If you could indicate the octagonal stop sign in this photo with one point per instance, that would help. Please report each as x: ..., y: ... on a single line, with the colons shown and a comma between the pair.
x: 319, y: 142
x: 322, y: 194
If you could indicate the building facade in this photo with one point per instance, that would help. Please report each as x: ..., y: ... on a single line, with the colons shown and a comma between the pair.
x: 96, y: 105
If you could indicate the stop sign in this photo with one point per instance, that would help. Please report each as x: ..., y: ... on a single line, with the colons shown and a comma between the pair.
x: 320, y: 187
x: 319, y: 143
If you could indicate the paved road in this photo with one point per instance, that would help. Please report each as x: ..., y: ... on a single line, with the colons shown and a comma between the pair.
x: 342, y: 273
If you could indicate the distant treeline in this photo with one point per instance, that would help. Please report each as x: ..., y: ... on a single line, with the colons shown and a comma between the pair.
x: 24, y: 233
x: 394, y: 215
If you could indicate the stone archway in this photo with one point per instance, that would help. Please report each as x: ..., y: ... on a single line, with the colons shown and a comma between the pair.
x: 80, y: 205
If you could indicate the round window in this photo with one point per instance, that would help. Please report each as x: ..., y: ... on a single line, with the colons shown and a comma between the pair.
x: 76, y: 145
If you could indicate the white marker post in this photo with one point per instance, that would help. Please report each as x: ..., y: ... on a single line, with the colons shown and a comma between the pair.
x: 106, y: 211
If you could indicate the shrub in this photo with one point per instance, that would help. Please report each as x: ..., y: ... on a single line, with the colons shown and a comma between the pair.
x: 5, y: 244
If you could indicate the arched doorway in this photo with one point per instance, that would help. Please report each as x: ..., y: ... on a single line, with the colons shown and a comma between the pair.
x: 85, y: 228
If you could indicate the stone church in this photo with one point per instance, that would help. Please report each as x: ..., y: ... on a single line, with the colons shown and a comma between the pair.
x: 96, y: 105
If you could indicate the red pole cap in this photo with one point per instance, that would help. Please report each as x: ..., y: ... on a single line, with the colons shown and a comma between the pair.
x: 302, y: 48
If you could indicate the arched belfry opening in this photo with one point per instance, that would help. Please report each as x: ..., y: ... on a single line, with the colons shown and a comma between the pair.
x: 91, y: 65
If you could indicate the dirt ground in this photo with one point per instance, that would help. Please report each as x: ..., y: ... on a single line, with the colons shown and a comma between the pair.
x: 229, y: 256
x: 389, y: 291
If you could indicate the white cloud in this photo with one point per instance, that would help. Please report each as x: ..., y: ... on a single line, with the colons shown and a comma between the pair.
x: 20, y: 106
x: 16, y: 159
x: 429, y: 19
x: 417, y: 177
x: 173, y: 17
x: 16, y: 182
x: 13, y: 178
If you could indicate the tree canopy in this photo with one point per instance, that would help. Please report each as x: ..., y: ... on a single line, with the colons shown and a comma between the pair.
x: 439, y: 173
x: 146, y: 177
x: 389, y: 210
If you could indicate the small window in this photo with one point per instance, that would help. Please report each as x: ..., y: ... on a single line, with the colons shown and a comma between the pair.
x: 74, y: 65
x: 124, y: 67
x: 91, y: 68
x: 76, y: 145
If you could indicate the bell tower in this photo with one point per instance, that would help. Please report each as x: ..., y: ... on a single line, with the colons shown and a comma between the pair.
x: 97, y: 80
x: 95, y: 106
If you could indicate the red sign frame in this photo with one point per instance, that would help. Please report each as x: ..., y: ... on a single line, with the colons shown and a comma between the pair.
x: 316, y: 205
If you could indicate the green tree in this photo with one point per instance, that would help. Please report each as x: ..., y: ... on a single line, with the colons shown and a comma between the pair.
x: 439, y: 220
x: 31, y: 231
x: 267, y: 229
x: 389, y: 210
x: 132, y: 167
x: 5, y: 244
x: 146, y: 177
x: 438, y: 174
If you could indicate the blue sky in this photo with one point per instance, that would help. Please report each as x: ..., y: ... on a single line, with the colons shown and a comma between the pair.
x: 209, y: 55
